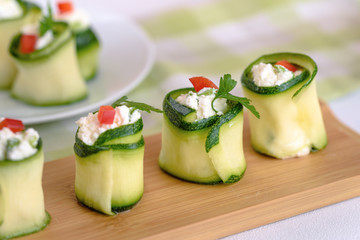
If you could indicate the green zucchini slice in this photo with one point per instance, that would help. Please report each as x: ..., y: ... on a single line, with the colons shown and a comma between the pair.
x: 21, y: 196
x: 109, y: 174
x: 87, y: 52
x: 49, y: 76
x: 199, y: 151
x: 8, y: 28
x: 291, y: 122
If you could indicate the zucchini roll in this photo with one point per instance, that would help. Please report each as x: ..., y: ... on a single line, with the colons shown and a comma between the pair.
x: 202, y: 133
x: 109, y: 152
x: 22, y: 208
x: 48, y: 72
x: 282, y: 87
x: 13, y: 15
x: 87, y: 42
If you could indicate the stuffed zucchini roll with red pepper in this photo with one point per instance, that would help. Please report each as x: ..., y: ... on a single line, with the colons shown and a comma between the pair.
x: 87, y: 42
x: 109, y: 151
x: 48, y: 73
x: 22, y: 209
x: 282, y: 87
x: 13, y: 15
x: 202, y: 132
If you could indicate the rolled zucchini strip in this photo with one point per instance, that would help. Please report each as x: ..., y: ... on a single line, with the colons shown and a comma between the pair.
x: 87, y: 52
x: 206, y: 151
x: 49, y: 76
x: 8, y: 28
x: 21, y: 196
x: 291, y: 122
x: 109, y: 173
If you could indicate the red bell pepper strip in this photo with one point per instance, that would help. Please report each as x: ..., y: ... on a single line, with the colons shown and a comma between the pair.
x: 65, y: 7
x: 202, y: 82
x: 13, y: 124
x: 286, y: 64
x: 106, y: 115
x: 27, y: 43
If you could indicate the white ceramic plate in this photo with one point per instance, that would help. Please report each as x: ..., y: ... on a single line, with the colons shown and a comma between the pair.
x: 126, y: 57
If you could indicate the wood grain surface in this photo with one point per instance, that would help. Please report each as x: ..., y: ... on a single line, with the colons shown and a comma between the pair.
x: 271, y: 190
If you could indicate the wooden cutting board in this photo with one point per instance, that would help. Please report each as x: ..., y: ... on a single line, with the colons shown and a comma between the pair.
x: 271, y: 190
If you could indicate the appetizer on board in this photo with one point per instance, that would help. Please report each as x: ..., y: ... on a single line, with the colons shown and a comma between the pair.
x: 22, y: 208
x: 109, y: 152
x: 202, y: 132
x: 282, y: 87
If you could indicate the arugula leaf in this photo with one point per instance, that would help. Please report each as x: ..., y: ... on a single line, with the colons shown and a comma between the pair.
x: 140, y: 106
x: 226, y: 85
x: 46, y: 22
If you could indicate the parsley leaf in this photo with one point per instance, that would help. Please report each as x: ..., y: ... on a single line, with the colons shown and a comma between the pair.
x: 226, y: 85
x: 46, y: 22
x: 140, y: 106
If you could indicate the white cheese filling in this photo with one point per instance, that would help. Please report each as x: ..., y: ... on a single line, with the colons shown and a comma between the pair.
x: 201, y: 103
x: 90, y: 127
x: 44, y: 40
x: 267, y: 75
x: 10, y: 9
x: 41, y: 42
x: 17, y: 146
x: 77, y: 19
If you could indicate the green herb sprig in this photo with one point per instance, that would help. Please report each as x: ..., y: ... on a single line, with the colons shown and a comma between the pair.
x: 140, y: 106
x: 46, y: 22
x: 226, y: 85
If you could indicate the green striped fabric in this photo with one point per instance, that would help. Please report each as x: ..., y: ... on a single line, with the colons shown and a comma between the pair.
x: 220, y: 37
